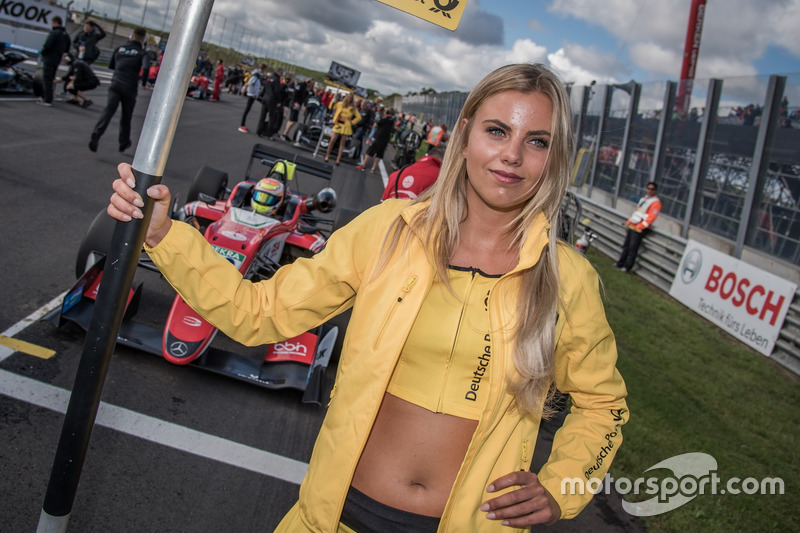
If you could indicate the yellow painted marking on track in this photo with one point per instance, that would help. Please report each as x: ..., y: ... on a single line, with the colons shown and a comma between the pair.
x: 27, y: 347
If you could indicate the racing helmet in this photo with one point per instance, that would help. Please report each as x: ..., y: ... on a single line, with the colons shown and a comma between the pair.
x: 267, y: 196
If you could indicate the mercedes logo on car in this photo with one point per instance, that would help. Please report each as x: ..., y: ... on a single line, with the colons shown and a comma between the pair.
x: 178, y: 349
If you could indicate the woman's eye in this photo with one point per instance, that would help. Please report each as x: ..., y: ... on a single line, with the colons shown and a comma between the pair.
x: 492, y: 130
x: 540, y: 142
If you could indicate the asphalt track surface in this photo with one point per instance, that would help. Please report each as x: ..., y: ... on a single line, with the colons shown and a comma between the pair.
x: 173, y: 449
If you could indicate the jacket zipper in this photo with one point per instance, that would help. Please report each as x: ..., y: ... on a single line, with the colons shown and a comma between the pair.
x: 403, y: 291
x: 483, y: 423
x: 465, y: 298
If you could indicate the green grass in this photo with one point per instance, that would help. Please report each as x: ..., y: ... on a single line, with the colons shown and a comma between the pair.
x: 693, y: 388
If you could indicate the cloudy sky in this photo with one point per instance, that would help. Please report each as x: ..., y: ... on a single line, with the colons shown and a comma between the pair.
x: 608, y: 41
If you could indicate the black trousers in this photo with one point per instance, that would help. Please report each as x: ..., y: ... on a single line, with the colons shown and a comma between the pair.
x: 247, y: 106
x: 630, y: 248
x: 270, y: 118
x: 117, y: 95
x: 48, y: 77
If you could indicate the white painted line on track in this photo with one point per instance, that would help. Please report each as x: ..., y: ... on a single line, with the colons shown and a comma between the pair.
x: 145, y: 427
x: 384, y: 174
x: 158, y: 431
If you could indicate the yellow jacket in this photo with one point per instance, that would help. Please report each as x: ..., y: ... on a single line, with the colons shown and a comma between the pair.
x: 311, y: 291
x: 344, y: 118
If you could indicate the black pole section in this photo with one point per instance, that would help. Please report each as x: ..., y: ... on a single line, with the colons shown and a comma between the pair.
x: 101, y: 338
x: 149, y: 161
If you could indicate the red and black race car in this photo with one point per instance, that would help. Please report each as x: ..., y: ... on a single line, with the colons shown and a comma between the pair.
x: 257, y: 244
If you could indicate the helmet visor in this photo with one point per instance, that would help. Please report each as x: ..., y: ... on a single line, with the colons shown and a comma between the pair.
x: 265, y: 198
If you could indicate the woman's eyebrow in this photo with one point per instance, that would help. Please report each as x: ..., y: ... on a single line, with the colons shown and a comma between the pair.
x: 505, y: 126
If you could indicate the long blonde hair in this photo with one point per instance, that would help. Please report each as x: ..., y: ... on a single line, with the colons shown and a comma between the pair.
x: 533, y: 334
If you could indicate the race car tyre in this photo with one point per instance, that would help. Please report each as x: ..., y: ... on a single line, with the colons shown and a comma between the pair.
x: 96, y: 242
x: 210, y: 181
x: 343, y: 216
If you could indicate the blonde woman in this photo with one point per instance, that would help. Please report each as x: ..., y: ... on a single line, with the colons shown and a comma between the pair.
x: 467, y: 314
x: 345, y: 116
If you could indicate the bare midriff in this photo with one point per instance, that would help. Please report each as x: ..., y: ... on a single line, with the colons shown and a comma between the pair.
x: 412, y: 457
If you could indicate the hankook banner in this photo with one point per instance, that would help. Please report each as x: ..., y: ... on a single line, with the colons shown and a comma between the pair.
x: 745, y: 301
x: 31, y: 13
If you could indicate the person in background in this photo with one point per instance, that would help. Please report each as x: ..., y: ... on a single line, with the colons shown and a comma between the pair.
x: 380, y: 140
x: 298, y: 98
x: 53, y: 51
x: 79, y: 78
x: 312, y: 103
x: 345, y: 116
x: 435, y: 136
x: 85, y: 41
x: 219, y: 77
x: 271, y: 93
x: 327, y: 101
x: 253, y: 88
x: 468, y: 314
x: 127, y: 62
x: 638, y: 226
x: 414, y: 179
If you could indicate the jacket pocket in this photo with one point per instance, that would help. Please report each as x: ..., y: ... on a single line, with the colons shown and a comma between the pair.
x: 388, y: 320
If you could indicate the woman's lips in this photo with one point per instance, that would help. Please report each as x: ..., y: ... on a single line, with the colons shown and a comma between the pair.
x: 507, y: 177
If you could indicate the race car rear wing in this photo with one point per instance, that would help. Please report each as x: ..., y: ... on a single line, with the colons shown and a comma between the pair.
x: 262, y: 157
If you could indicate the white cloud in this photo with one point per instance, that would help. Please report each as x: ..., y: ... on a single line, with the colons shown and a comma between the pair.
x: 396, y: 52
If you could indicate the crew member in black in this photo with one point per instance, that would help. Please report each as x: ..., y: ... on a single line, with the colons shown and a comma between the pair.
x: 78, y: 79
x: 55, y: 46
x: 87, y: 38
x: 271, y: 105
x: 126, y: 62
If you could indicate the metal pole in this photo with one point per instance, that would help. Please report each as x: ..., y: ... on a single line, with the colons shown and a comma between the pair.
x: 748, y: 221
x: 148, y: 164
x: 693, y: 205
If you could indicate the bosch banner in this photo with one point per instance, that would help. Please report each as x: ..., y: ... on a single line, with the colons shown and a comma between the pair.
x: 743, y: 300
x: 31, y: 13
x: 444, y: 13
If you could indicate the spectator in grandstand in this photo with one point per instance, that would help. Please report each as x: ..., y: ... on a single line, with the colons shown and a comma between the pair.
x: 253, y: 88
x: 345, y: 116
x: 468, y: 314
x: 638, y: 226
x: 414, y: 179
x: 380, y: 140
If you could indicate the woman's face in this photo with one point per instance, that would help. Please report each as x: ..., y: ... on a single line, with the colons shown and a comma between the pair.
x: 506, y: 150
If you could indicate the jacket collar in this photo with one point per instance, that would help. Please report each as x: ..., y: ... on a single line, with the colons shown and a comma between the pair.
x: 535, y: 240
